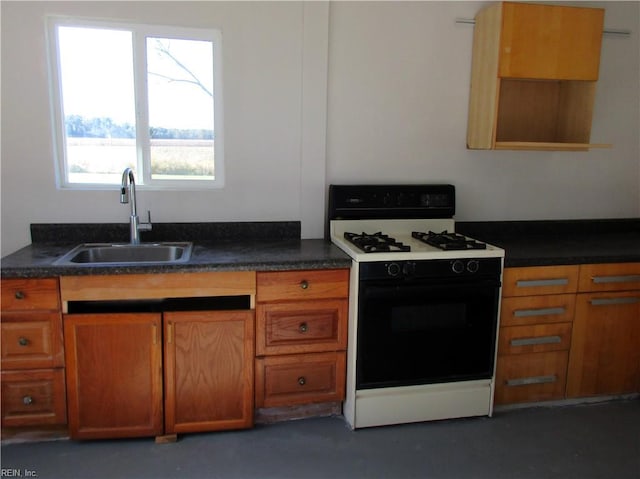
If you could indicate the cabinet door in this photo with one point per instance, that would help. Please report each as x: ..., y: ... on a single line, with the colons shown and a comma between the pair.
x: 208, y: 370
x: 605, y: 346
x: 114, y: 375
x: 550, y: 42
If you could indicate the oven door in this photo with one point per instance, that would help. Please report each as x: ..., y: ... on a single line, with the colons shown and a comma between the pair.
x: 422, y: 332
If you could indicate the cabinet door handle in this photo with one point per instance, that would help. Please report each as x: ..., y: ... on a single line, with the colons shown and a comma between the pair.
x: 532, y: 380
x: 522, y: 313
x: 303, y: 328
x: 27, y: 400
x: 304, y: 284
x: 170, y: 333
x: 154, y: 334
x: 19, y: 295
x: 538, y: 340
x: 528, y: 283
x: 627, y: 278
x: 302, y: 381
x: 613, y: 301
x: 22, y: 341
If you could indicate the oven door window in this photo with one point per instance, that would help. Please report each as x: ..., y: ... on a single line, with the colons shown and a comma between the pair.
x: 425, y: 333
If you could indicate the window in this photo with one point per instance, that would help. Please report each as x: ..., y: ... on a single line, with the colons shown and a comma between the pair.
x: 138, y: 96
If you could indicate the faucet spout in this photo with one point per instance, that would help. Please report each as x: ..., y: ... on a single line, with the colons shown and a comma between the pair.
x: 128, y: 195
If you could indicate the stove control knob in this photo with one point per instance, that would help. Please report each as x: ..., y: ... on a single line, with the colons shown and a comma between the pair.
x: 473, y: 265
x: 457, y: 266
x: 393, y: 269
x: 409, y: 268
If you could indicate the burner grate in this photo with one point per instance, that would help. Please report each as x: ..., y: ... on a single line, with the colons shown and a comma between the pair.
x: 376, y: 242
x: 448, y: 241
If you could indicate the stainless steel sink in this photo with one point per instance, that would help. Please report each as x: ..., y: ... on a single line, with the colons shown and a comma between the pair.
x: 92, y: 254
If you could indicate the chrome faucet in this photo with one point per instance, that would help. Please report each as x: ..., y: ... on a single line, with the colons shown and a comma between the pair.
x: 128, y: 181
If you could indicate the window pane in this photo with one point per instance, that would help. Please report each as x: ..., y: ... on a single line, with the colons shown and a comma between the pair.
x: 96, y: 68
x: 180, y: 89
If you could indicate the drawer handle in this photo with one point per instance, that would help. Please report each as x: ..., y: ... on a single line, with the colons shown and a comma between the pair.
x: 22, y: 341
x: 27, y: 400
x: 528, y: 283
x: 627, y: 278
x: 304, y: 284
x: 532, y: 380
x: 539, y: 340
x: 19, y: 295
x: 302, y: 381
x: 522, y: 313
x: 303, y: 328
x: 613, y: 301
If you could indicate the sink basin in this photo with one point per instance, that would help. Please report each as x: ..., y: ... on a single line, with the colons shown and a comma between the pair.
x: 91, y: 254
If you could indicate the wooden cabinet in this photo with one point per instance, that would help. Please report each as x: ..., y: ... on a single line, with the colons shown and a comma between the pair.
x: 605, y: 348
x: 114, y: 374
x: 536, y: 318
x: 32, y: 356
x: 119, y: 383
x: 534, y: 74
x: 301, y: 337
x: 208, y: 370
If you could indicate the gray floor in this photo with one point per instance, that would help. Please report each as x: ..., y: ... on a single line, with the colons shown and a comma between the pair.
x: 586, y: 441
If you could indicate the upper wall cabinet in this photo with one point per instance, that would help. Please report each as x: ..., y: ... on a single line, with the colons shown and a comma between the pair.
x: 533, y: 78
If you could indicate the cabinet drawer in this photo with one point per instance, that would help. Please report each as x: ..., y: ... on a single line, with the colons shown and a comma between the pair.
x: 298, y: 285
x: 536, y: 280
x: 300, y: 379
x: 31, y: 340
x: 33, y: 398
x: 531, y: 377
x: 535, y: 338
x: 30, y: 294
x: 609, y: 277
x: 523, y: 310
x: 301, y: 327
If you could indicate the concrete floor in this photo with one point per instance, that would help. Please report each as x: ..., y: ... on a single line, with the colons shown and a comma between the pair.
x: 584, y: 441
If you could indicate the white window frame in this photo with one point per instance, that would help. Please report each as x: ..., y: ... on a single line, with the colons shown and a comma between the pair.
x: 140, y: 32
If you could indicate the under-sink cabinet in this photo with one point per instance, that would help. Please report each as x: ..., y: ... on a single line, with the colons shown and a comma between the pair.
x: 301, y: 337
x: 536, y: 320
x: 32, y: 358
x: 157, y: 355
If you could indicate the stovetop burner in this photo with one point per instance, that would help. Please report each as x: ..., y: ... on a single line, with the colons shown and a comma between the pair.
x: 376, y: 242
x: 448, y: 241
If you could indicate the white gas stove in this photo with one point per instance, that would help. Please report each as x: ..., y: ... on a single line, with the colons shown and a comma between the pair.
x: 423, y: 317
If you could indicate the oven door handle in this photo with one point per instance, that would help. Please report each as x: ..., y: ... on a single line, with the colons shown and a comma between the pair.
x: 379, y: 289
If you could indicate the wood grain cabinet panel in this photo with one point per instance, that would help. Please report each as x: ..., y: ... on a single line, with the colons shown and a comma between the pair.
x: 540, y: 280
x: 300, y: 379
x: 605, y: 348
x: 114, y: 374
x: 32, y: 354
x: 533, y: 77
x: 531, y: 377
x: 538, y: 338
x: 33, y: 398
x: 209, y: 359
x: 301, y: 337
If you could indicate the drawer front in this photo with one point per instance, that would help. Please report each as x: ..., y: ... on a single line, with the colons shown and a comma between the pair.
x: 300, y: 285
x: 30, y: 294
x: 534, y: 339
x: 609, y: 277
x: 31, y: 340
x: 301, y: 327
x: 300, y: 379
x: 531, y: 377
x: 535, y: 280
x: 527, y: 310
x: 33, y: 398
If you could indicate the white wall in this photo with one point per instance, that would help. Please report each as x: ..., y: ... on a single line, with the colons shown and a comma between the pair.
x: 398, y: 94
x: 318, y: 94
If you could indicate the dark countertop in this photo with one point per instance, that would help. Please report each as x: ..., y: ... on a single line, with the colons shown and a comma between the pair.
x: 546, y: 243
x: 264, y: 247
